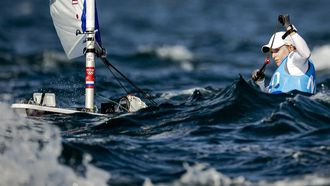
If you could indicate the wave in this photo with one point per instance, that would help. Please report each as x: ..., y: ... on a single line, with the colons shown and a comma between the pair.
x: 207, y: 121
x: 321, y: 57
x: 176, y: 53
x: 48, y: 62
x: 242, y: 100
x: 202, y: 174
x: 187, y: 92
x: 32, y: 150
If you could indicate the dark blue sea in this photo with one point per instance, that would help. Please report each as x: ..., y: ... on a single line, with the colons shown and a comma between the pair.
x: 211, y: 125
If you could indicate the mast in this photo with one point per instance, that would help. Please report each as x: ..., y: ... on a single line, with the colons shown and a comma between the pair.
x: 90, y: 58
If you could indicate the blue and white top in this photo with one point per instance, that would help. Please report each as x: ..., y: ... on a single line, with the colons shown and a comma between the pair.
x: 296, y: 71
x: 283, y: 82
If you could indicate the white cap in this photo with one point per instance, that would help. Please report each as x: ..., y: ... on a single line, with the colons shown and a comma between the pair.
x: 278, y: 42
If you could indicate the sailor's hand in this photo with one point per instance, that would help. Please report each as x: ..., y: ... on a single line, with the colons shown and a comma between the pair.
x: 258, y: 75
x: 284, y: 20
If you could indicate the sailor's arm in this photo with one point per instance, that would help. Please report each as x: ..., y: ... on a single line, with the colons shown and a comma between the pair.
x: 259, y: 78
x: 291, y: 35
x: 300, y: 45
x: 261, y: 84
x: 297, y: 60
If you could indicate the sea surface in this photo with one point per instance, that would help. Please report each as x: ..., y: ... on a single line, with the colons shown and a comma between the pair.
x: 211, y: 125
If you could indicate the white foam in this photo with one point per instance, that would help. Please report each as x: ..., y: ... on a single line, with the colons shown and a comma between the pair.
x: 5, y: 97
x: 297, y: 155
x: 306, y: 180
x: 321, y: 57
x: 187, y: 92
x: 25, y: 8
x: 177, y: 53
x: 24, y: 161
x: 322, y: 96
x: 52, y: 59
x: 171, y: 134
x: 199, y: 175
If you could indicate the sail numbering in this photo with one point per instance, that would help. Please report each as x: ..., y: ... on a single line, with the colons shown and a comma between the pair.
x: 77, y: 26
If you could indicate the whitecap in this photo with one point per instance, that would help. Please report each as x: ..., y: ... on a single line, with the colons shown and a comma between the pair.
x: 171, y: 134
x: 202, y: 174
x: 186, y: 92
x: 25, y: 8
x: 51, y: 60
x: 306, y: 180
x: 29, y: 155
x: 321, y: 57
x: 177, y: 53
x: 325, y: 97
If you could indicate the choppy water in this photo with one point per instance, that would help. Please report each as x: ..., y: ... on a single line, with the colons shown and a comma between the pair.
x: 210, y: 127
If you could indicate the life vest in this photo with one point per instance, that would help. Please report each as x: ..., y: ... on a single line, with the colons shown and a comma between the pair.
x: 283, y: 82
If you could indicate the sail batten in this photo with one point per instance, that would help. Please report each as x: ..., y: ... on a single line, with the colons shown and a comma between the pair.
x: 68, y: 17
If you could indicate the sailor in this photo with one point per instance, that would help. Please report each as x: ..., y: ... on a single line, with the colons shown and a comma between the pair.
x: 292, y: 56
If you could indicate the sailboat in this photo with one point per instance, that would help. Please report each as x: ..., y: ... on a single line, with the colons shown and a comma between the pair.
x: 77, y: 26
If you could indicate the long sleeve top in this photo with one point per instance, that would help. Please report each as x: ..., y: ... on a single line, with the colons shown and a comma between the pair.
x: 297, y: 63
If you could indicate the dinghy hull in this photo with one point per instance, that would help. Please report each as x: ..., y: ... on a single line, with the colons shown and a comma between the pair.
x: 38, y: 110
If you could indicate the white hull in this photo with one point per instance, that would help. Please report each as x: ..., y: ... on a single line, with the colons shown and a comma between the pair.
x: 38, y: 110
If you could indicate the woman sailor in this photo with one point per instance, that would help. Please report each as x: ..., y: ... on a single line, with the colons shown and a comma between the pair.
x: 292, y: 56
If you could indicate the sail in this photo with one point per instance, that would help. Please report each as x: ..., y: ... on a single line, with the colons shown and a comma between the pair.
x: 69, y: 16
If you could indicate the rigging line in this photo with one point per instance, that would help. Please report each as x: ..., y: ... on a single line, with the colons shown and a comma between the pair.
x: 112, y: 101
x: 275, y: 31
x: 262, y: 69
x: 98, y: 47
x: 145, y: 94
x: 118, y: 81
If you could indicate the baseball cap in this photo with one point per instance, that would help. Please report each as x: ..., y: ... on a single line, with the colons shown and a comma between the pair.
x: 278, y: 42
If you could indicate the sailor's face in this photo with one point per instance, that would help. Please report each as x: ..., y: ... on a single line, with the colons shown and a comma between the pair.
x: 279, y: 54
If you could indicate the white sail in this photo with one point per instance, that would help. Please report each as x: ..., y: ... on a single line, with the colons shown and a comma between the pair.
x: 69, y: 16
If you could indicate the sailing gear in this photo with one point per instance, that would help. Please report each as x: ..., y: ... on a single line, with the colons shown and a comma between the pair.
x: 128, y: 103
x: 44, y: 99
x: 291, y: 30
x: 278, y: 42
x: 283, y: 82
x: 284, y: 20
x: 258, y: 75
